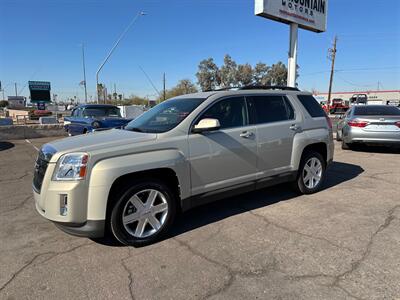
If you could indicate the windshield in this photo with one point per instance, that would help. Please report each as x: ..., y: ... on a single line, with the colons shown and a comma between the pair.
x: 101, y: 112
x: 164, y: 116
x: 376, y: 110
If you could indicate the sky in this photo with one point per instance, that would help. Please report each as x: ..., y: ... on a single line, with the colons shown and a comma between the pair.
x: 41, y: 40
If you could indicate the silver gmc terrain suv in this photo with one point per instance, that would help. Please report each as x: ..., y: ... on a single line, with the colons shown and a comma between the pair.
x: 184, y: 152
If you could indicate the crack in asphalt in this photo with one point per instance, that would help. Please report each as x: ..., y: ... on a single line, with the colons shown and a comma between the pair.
x: 130, y: 278
x: 266, y: 220
x: 232, y: 274
x: 33, y: 259
x: 18, y: 206
x: 16, y: 178
x: 375, y: 176
x: 274, y: 266
x: 355, y: 265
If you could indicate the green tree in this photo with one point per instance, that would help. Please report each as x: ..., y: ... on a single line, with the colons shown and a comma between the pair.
x: 260, y: 74
x: 244, y: 75
x: 3, y: 103
x: 278, y: 74
x: 184, y: 86
x: 208, y: 75
x: 228, y: 72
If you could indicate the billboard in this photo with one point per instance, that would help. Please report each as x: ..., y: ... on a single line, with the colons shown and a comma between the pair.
x: 40, y: 91
x: 308, y: 14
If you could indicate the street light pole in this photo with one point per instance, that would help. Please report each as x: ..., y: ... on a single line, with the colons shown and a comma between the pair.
x: 84, y: 71
x: 113, y: 48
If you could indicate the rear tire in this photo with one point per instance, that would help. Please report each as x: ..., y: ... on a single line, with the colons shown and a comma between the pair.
x: 339, y: 135
x: 345, y: 146
x: 143, y: 213
x: 311, y: 173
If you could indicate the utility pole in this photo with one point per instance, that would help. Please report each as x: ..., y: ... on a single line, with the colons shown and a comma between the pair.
x: 332, y: 57
x: 16, y: 91
x: 164, y: 92
x: 84, y: 71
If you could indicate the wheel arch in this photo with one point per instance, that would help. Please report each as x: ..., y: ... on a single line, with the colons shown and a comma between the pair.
x: 166, y: 175
x: 109, y: 174
x: 321, y: 148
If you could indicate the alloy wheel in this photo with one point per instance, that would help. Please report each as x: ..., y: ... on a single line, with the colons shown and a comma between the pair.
x: 145, y: 213
x: 312, y: 173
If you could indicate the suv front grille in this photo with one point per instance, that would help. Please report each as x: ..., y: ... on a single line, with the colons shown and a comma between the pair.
x: 41, y: 163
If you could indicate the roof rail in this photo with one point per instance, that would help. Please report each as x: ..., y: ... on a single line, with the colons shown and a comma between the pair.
x: 224, y: 89
x: 269, y: 87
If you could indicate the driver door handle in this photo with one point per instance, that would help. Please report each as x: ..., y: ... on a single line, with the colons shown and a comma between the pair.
x: 246, y: 134
x: 295, y: 127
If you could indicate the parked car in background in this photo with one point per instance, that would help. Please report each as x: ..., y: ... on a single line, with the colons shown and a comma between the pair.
x: 94, y: 117
x: 369, y: 124
x: 182, y: 153
x: 358, y: 99
x: 37, y: 113
x: 338, y: 106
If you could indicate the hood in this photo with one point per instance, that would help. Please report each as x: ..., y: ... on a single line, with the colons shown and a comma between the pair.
x: 100, y: 140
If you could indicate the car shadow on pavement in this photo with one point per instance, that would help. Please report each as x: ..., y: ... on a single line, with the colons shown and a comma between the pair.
x: 337, y: 173
x: 207, y: 214
x: 376, y: 149
x: 6, y: 146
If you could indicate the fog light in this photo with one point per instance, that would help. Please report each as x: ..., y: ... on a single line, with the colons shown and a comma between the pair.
x: 63, y: 204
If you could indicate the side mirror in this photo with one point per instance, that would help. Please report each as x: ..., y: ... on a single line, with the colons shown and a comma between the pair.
x: 206, y: 125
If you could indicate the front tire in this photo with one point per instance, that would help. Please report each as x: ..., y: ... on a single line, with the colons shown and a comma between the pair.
x: 311, y: 173
x: 143, y: 213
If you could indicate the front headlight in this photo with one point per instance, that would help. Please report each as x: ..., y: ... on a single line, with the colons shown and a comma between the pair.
x: 71, y: 166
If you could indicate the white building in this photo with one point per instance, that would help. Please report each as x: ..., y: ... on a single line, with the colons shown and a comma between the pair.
x: 390, y: 97
x: 16, y: 102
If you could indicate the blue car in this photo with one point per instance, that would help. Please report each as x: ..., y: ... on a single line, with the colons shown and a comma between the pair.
x: 94, y: 117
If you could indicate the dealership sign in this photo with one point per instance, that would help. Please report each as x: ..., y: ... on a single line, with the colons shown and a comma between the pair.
x: 40, y: 91
x: 39, y: 85
x: 308, y: 14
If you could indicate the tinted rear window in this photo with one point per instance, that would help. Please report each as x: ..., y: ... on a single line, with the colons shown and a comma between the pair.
x: 311, y: 105
x: 376, y: 110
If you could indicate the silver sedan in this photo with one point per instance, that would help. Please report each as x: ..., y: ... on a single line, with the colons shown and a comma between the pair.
x: 369, y: 124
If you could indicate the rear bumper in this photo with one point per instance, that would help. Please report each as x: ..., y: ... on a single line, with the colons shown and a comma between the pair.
x: 358, y: 135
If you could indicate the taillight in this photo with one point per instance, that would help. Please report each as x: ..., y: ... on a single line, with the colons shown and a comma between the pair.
x: 357, y: 123
x: 329, y: 121
x: 397, y: 124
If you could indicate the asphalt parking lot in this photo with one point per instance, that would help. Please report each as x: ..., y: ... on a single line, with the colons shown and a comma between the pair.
x: 341, y: 243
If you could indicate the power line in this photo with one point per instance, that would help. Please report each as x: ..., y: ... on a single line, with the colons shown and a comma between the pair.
x: 350, y: 70
x: 151, y: 82
x: 354, y: 84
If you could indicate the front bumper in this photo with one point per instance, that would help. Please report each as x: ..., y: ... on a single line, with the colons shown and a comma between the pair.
x: 90, y: 229
x: 75, y: 221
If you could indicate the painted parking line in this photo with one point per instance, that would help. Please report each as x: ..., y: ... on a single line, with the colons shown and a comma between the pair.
x: 29, y: 142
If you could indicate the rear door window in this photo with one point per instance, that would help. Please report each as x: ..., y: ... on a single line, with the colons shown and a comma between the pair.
x: 269, y: 109
x: 311, y: 105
